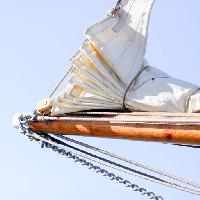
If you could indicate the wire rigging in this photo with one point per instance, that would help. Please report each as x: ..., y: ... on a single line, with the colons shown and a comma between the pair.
x: 137, y: 164
x: 56, y: 144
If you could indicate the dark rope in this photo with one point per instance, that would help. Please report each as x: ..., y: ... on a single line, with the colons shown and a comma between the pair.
x: 132, y: 83
x: 187, y: 145
x: 118, y: 2
x: 103, y: 159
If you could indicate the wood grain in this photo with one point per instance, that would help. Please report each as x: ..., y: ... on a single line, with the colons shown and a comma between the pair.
x: 184, y: 134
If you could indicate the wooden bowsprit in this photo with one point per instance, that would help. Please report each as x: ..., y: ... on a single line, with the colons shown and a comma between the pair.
x: 179, y: 128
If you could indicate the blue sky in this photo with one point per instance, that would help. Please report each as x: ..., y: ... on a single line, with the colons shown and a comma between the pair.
x: 37, y: 39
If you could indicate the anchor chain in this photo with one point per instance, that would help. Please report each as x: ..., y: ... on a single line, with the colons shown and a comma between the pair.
x: 57, y: 146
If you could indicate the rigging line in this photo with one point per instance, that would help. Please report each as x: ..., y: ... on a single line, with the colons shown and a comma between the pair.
x: 109, y: 165
x: 140, y: 114
x: 62, y: 150
x: 103, y: 159
x: 60, y: 82
x: 123, y: 120
x: 55, y: 147
x: 107, y: 153
x: 172, y: 185
x: 134, y: 172
x: 97, y: 169
x: 130, y: 85
x: 118, y: 2
x: 186, y: 145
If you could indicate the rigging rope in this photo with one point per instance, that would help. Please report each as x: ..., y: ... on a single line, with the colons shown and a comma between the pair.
x: 112, y: 155
x: 57, y: 145
x: 60, y: 82
x: 126, y: 169
x: 147, y: 120
x: 187, y: 145
x: 131, y: 85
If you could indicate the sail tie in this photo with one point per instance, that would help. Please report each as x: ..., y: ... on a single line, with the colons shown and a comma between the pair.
x: 131, y: 84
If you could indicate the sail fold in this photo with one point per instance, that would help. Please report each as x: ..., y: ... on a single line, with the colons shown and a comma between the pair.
x: 112, y: 57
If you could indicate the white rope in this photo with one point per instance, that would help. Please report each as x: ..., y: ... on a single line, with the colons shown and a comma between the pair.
x: 132, y: 162
x: 122, y: 120
x: 166, y: 183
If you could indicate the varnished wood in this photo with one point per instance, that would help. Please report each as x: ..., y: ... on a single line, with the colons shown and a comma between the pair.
x: 184, y: 134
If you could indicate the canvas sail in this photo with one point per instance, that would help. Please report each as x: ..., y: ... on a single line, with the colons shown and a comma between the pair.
x: 110, y: 71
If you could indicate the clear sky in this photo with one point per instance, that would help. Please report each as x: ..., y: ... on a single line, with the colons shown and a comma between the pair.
x: 37, y: 39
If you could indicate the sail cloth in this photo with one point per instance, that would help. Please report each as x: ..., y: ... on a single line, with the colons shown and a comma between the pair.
x: 111, y: 60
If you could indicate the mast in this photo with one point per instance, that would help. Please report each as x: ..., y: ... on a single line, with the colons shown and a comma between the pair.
x: 154, y: 127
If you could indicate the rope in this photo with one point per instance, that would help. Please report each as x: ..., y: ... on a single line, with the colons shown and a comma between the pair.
x: 112, y: 155
x: 98, y: 169
x: 132, y: 84
x: 177, y: 122
x: 60, y: 82
x: 131, y: 171
x: 191, y: 93
x: 118, y: 2
x: 186, y: 145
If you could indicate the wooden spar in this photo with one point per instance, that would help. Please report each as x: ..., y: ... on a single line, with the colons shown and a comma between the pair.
x: 183, y: 132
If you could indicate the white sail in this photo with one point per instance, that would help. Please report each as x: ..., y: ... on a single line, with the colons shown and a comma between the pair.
x: 112, y: 57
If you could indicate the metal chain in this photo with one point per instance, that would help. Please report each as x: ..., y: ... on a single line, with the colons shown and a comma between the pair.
x: 117, y: 166
x: 141, y: 165
x: 102, y: 171
x: 24, y: 127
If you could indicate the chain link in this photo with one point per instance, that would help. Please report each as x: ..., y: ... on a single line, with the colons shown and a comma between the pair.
x: 48, y: 143
x: 137, y: 164
x: 102, y: 171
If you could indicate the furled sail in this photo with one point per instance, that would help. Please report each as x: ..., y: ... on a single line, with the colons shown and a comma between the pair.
x: 110, y: 71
